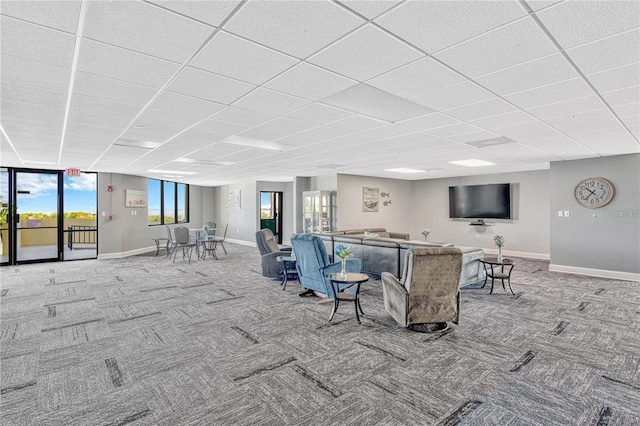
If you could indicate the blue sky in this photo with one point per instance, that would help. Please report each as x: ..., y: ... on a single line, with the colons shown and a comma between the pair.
x: 79, y: 192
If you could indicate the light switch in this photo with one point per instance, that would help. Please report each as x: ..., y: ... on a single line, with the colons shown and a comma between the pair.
x: 566, y: 213
x: 559, y: 213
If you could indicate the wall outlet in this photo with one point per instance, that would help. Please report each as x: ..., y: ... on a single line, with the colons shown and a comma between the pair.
x: 559, y: 213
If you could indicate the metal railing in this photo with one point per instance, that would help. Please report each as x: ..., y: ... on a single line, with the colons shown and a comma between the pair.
x: 81, y: 234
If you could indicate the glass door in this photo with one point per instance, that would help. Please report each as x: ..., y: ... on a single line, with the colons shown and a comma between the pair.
x: 35, y: 219
x: 4, y: 216
x: 270, y: 217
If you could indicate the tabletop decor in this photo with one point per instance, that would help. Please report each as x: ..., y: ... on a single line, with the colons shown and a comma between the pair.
x: 343, y: 252
x: 425, y: 232
x: 499, y: 240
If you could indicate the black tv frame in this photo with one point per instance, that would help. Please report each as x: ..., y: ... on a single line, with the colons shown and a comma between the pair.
x: 490, y: 201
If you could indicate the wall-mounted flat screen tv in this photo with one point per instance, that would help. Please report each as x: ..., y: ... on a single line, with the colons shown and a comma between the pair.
x: 480, y: 201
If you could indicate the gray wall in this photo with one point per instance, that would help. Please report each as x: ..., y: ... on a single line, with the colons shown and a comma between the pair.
x: 526, y: 234
x: 606, y: 238
x: 128, y: 233
x: 242, y: 221
x: 395, y: 217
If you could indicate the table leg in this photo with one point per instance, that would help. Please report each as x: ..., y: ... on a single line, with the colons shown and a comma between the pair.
x: 335, y: 300
x: 285, y: 278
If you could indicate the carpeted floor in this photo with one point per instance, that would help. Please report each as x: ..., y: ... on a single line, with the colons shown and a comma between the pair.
x: 143, y: 341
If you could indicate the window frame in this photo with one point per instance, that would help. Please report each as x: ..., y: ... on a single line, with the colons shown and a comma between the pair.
x: 176, y: 207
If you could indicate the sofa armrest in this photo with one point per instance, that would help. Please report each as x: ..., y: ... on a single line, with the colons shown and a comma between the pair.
x: 396, y: 298
x: 270, y: 266
x: 401, y: 235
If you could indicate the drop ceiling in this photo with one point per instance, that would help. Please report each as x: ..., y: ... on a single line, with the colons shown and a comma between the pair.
x: 133, y: 86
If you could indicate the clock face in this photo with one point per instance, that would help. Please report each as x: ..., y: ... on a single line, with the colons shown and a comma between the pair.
x: 594, y: 192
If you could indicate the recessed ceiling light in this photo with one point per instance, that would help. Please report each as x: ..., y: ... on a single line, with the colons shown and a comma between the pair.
x: 404, y: 170
x: 472, y: 163
x: 137, y: 144
x: 253, y: 143
x: 490, y: 142
x: 172, y: 172
x: 366, y: 100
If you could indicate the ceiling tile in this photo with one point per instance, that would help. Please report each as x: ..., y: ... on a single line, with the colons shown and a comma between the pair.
x: 552, y: 93
x: 357, y: 123
x: 503, y: 120
x: 617, y: 78
x: 120, y: 64
x: 457, y: 95
x: 453, y: 130
x: 366, y: 53
x: 59, y: 15
x: 577, y: 22
x: 623, y: 96
x: 110, y: 89
x: 21, y: 71
x: 310, y: 82
x: 298, y: 28
x: 612, y: 52
x: 370, y: 8
x: 205, y: 85
x: 219, y: 129
x: 152, y: 117
x: 323, y: 133
x: 33, y: 95
x: 270, y: 102
x: 387, y: 131
x: 429, y: 121
x: 505, y: 47
x: 427, y: 24
x: 143, y: 28
x: 174, y: 102
x: 568, y: 108
x: 211, y: 12
x: 319, y: 114
x: 541, y: 72
x: 35, y: 43
x: 243, y: 116
x: 473, y: 136
x: 276, y: 129
x: 422, y: 76
x: 412, y: 138
x: 240, y: 59
x: 481, y: 109
x: 536, y: 5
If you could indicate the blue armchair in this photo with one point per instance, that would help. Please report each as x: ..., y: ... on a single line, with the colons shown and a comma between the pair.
x: 313, y: 264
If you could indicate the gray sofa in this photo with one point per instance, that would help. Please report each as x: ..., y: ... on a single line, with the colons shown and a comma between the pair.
x: 386, y: 253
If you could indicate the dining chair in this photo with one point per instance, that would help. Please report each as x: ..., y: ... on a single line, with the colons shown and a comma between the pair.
x: 183, y: 240
x: 220, y: 240
x: 171, y: 245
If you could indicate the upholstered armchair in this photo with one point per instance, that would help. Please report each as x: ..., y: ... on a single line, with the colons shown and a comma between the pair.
x: 269, y: 250
x: 313, y: 264
x: 428, y: 295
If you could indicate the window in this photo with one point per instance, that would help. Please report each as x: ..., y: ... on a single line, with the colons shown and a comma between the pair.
x: 168, y: 202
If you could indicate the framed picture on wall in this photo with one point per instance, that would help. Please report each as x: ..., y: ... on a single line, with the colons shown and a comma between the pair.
x: 237, y: 198
x: 370, y: 199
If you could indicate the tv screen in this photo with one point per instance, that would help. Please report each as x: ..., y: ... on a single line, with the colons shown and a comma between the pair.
x: 480, y: 201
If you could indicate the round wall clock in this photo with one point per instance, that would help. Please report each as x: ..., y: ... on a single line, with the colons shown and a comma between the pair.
x: 594, y: 192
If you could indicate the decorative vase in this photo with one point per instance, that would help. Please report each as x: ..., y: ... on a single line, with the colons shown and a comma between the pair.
x: 343, y: 272
x: 500, y: 258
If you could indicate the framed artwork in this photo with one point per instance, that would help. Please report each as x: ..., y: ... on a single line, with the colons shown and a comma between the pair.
x: 229, y: 199
x: 370, y: 199
x: 236, y: 194
x: 134, y: 198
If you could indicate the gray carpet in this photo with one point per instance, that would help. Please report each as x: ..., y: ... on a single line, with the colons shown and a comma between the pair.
x: 143, y: 341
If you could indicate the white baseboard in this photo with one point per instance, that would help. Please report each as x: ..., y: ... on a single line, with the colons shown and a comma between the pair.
x: 127, y: 253
x: 241, y: 242
x: 526, y: 254
x: 616, y: 275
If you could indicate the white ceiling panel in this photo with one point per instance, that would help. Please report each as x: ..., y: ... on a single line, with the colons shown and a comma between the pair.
x: 428, y: 25
x: 234, y: 57
x: 323, y: 133
x: 297, y: 141
x: 481, y: 110
x: 631, y: 110
x: 416, y: 137
x: 429, y: 121
x: 453, y: 96
x: 33, y: 95
x: 505, y: 47
x: 21, y: 71
x: 245, y: 117
x: 370, y: 8
x: 310, y: 82
x: 577, y: 22
x: 120, y: 64
x: 220, y: 129
x: 270, y: 102
x: 617, y: 78
x: 366, y: 53
x: 142, y: 27
x: 503, y: 120
x: 387, y: 131
x: 36, y: 43
x: 536, y: 5
x: 276, y: 129
x: 205, y: 85
x: 608, y: 53
x: 357, y: 123
x: 45, y: 114
x: 552, y: 93
x: 298, y: 28
x: 59, y: 15
x: 110, y: 89
x: 347, y: 140
x: 541, y: 72
x: 422, y: 76
x: 319, y: 114
x: 570, y: 108
x: 473, y: 136
x: 560, y: 146
x: 210, y: 12
x: 453, y: 130
x: 623, y: 96
x: 188, y: 105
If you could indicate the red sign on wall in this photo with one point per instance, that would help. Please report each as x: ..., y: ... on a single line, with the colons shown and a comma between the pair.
x: 73, y: 172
